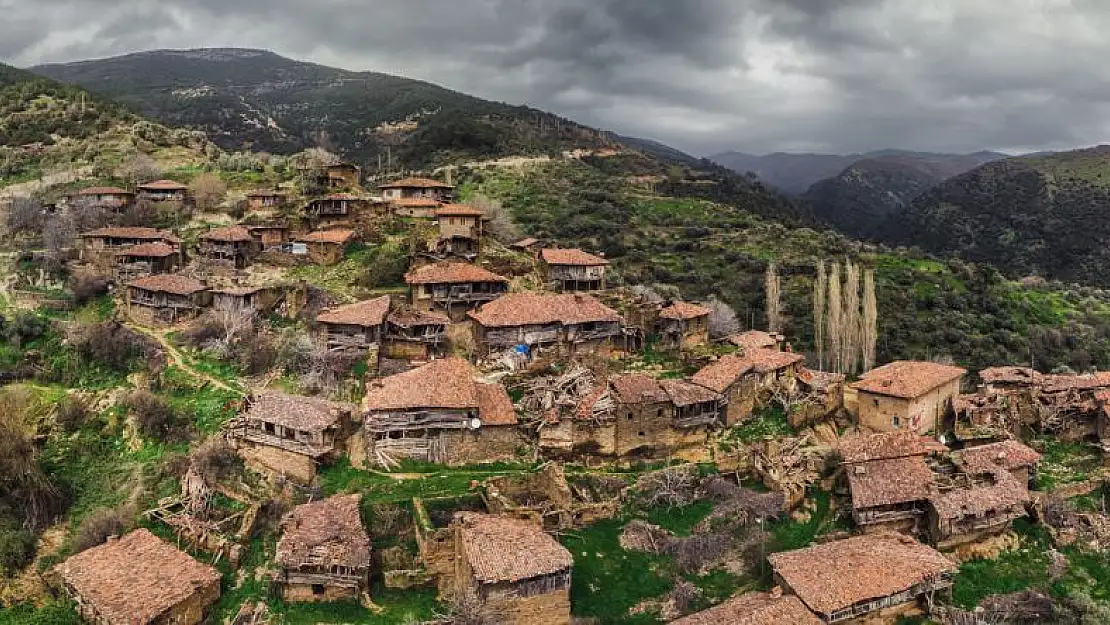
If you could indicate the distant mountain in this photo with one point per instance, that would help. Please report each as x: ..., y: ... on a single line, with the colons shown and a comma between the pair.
x: 258, y: 100
x: 857, y: 200
x: 1047, y: 214
x: 796, y: 173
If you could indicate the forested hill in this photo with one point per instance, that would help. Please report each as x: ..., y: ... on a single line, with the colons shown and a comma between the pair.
x: 1047, y: 215
x: 252, y: 99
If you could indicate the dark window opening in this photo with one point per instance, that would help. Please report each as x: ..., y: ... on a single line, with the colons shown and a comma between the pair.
x: 318, y: 589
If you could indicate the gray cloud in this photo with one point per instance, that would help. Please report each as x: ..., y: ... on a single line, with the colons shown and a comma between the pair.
x: 703, y: 75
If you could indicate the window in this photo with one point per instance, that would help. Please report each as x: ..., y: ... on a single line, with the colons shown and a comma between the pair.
x: 875, y: 402
x: 268, y: 428
x: 659, y: 413
x: 641, y: 433
x: 897, y: 422
x: 318, y: 590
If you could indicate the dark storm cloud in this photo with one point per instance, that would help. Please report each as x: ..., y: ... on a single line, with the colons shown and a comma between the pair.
x: 704, y: 75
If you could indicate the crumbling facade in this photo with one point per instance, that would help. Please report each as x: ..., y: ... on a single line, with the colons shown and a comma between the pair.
x: 417, y: 188
x: 231, y: 246
x: 907, y: 395
x: 101, y: 245
x: 163, y: 191
x: 460, y: 231
x: 682, y: 325
x: 356, y: 327
x: 146, y: 259
x: 567, y: 324
x: 889, y: 480
x: 113, y: 199
x: 265, y: 199
x: 747, y: 380
x: 324, y: 552
x: 453, y: 287
x: 573, y: 270
x: 166, y: 299
x: 327, y: 247
x: 259, y: 300
x: 416, y: 336
x: 269, y: 237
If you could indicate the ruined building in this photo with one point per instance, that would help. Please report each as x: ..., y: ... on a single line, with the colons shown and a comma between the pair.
x: 758, y: 339
x: 100, y: 246
x: 258, y: 300
x: 417, y: 188
x: 146, y: 259
x: 453, y: 287
x: 324, y: 552
x: 460, y: 231
x: 231, y: 246
x: 747, y: 380
x: 416, y: 336
x: 139, y: 579
x: 166, y: 299
x: 682, y: 324
x: 889, y: 479
x: 567, y: 324
x: 573, y: 270
x: 907, y: 395
x: 270, y: 236
x: 338, y: 210
x: 439, y: 413
x: 415, y: 207
x: 355, y: 327
x: 163, y: 191
x: 327, y: 247
x: 265, y: 199
x: 112, y: 199
x: 754, y: 608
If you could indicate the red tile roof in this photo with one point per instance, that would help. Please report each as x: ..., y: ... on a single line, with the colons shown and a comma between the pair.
x: 409, y: 318
x: 459, y: 210
x: 148, y: 250
x: 162, y: 185
x: 103, y: 191
x: 754, y: 338
x: 729, y: 368
x: 842, y: 573
x: 1008, y: 454
x: 451, y: 273
x: 308, y: 414
x: 907, y: 379
x: 494, y: 405
x: 416, y: 183
x: 684, y: 310
x: 415, y: 202
x: 522, y: 309
x: 337, y: 237
x: 168, y: 283
x: 367, y: 313
x: 556, y: 256
x: 228, y: 234
x: 446, y: 383
x: 889, y: 482
x: 136, y: 578
x: 1009, y: 375
x: 502, y: 549
x: 1005, y: 493
x: 636, y: 388
x: 324, y: 534
x: 885, y: 445
x: 684, y: 393
x: 526, y: 243
x: 754, y: 608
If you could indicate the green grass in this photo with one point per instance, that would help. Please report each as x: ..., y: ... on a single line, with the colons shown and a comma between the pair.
x: 1012, y: 571
x: 399, y: 608
x: 379, y: 488
x: 769, y: 422
x: 680, y: 521
x: 54, y: 612
x: 789, y: 534
x: 1064, y: 463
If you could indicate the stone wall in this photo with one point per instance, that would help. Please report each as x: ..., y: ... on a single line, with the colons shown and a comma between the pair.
x: 548, y: 609
x: 275, y: 461
x: 925, y: 413
x: 487, y: 444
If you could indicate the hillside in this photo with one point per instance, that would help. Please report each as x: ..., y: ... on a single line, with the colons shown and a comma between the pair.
x: 1044, y: 215
x: 252, y: 99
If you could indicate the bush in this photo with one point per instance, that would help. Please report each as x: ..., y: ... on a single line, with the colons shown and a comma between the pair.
x: 72, y: 413
x: 214, y: 460
x: 100, y: 525
x: 155, y: 418
x: 208, y: 191
x: 25, y: 215
x: 86, y: 284
x: 386, y: 266
x: 113, y: 345
x: 17, y: 545
x: 25, y: 328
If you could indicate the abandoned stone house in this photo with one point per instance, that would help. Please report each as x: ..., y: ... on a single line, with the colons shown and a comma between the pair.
x: 146, y: 259
x: 338, y: 209
x: 415, y: 207
x: 975, y: 507
x: 573, y: 270
x: 570, y: 324
x: 112, y: 198
x: 1011, y: 455
x: 821, y: 396
x: 231, y: 246
x: 754, y: 608
x: 327, y: 247
x: 529, y: 245
x: 324, y: 552
x: 907, y: 395
x: 139, y: 579
x: 516, y: 570
x: 1009, y: 378
x: 258, y: 300
x: 416, y: 336
x: 268, y: 237
x: 163, y: 191
x: 417, y: 188
x: 166, y: 299
x: 460, y: 231
x: 355, y: 327
x: 265, y: 199
x: 342, y: 176
x: 439, y: 413
x: 290, y: 435
x: 889, y: 480
x: 682, y: 325
x: 870, y: 575
x: 747, y: 380
x: 453, y: 287
x: 758, y: 339
x: 100, y: 246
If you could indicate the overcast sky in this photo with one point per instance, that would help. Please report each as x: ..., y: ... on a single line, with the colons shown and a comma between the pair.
x: 702, y: 75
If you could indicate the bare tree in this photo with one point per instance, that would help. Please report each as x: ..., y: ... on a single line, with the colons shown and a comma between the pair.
x: 673, y: 486
x: 500, y: 222
x: 25, y: 215
x: 139, y: 214
x: 722, y: 319
x: 87, y: 214
x: 234, y: 322
x: 870, y: 320
x: 208, y: 191
x: 140, y: 168
x: 772, y: 288
x: 836, y: 352
x: 820, y: 295
x: 850, y: 318
x: 58, y: 235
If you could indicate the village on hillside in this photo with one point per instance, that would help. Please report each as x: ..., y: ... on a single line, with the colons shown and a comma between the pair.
x: 478, y: 435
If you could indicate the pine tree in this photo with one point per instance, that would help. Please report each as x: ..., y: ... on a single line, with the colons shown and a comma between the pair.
x: 820, y: 294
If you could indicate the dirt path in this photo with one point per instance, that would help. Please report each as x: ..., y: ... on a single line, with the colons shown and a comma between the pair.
x: 176, y: 358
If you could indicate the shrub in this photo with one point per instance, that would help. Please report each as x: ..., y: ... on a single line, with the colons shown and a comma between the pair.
x: 113, y: 345
x: 25, y: 215
x: 100, y: 525
x: 27, y: 326
x: 155, y: 418
x: 72, y: 413
x: 208, y: 191
x: 86, y: 284
x: 214, y: 460
x: 16, y: 546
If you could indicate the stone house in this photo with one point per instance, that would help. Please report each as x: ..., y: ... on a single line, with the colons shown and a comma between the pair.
x: 889, y: 480
x: 417, y: 188
x: 355, y: 327
x: 165, y: 299
x: 416, y: 336
x: 324, y: 552
x: 966, y: 513
x: 100, y: 246
x: 516, y: 570
x: 338, y: 209
x: 139, y: 579
x: 269, y: 237
x: 453, y: 287
x: 291, y: 435
x: 570, y: 323
x: 265, y: 199
x: 146, y: 259
x: 758, y: 339
x: 682, y: 324
x: 1016, y: 458
x: 529, y: 245
x: 874, y: 575
x: 260, y: 300
x: 907, y: 395
x: 460, y: 230
x: 232, y: 246
x: 111, y: 198
x: 327, y: 247
x: 754, y: 608
x: 824, y: 397
x: 746, y: 380
x: 415, y: 207
x: 663, y: 415
x: 573, y: 270
x: 163, y: 191
x: 343, y: 176
x: 439, y: 413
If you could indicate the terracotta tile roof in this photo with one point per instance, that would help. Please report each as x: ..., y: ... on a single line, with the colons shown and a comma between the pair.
x: 162, y: 185
x: 729, y: 368
x: 529, y: 242
x: 1006, y: 492
x: 240, y: 291
x: 415, y: 202
x: 1008, y: 454
x: 367, y: 313
x: 684, y: 393
x: 754, y: 338
x: 416, y: 183
x: 1059, y: 383
x: 337, y: 237
x: 149, y: 234
x: 324, y: 534
x: 820, y: 380
x: 502, y: 549
x: 768, y: 360
x: 754, y: 608
x: 907, y: 378
x: 148, y: 250
x: 444, y: 383
x: 350, y: 197
x: 168, y: 283
x: 521, y: 309
x: 409, y: 318
x: 889, y: 482
x: 584, y: 410
x: 882, y: 446
x: 228, y: 234
x: 451, y: 273
x: 1009, y: 375
x: 637, y: 388
x: 265, y: 193
x: 556, y: 256
x: 136, y: 578
x: 684, y: 310
x: 839, y: 574
x: 103, y: 191
x: 308, y: 414
x: 494, y: 405
x: 459, y: 210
